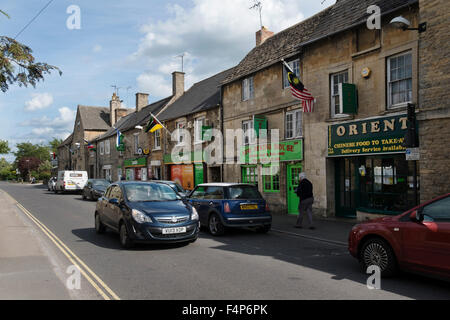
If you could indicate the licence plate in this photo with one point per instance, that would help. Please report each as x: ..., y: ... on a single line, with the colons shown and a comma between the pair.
x: 249, y: 207
x: 174, y: 230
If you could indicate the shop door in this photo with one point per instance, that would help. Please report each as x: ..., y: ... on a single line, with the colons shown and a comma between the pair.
x: 293, y: 171
x: 347, y: 186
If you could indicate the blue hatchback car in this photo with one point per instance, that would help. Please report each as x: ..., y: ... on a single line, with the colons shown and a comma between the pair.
x: 146, y: 212
x: 221, y: 205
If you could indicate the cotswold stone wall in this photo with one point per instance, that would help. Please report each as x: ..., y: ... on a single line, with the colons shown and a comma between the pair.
x: 434, y: 99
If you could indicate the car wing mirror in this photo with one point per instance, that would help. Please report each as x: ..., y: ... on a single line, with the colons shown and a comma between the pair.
x: 417, y: 215
x: 114, y: 201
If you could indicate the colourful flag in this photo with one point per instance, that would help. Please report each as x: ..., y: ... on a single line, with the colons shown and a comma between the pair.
x: 298, y: 90
x: 118, y: 138
x: 153, y: 124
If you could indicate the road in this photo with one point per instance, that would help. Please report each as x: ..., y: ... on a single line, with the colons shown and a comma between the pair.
x: 240, y: 265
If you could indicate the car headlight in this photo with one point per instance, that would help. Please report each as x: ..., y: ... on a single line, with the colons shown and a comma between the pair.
x: 140, y: 217
x: 194, y: 215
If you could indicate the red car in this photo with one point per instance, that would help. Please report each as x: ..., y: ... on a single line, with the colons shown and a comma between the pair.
x: 417, y: 240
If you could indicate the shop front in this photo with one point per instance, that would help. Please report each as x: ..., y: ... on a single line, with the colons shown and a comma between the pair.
x: 136, y: 169
x: 187, y: 175
x: 276, y: 180
x: 372, y: 173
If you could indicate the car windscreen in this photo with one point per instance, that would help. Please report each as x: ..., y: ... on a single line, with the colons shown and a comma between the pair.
x: 100, y: 184
x: 150, y: 192
x: 244, y: 193
x: 178, y: 188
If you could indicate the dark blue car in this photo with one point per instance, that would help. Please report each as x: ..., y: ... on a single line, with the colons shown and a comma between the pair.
x: 221, y: 205
x: 146, y: 212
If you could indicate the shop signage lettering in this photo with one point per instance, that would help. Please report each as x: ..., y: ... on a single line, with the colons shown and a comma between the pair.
x: 286, y: 150
x: 139, y: 162
x: 381, y: 135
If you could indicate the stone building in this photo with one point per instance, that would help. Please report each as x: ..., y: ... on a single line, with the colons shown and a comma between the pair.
x: 328, y: 51
x: 196, y: 110
x: 64, y: 155
x: 434, y: 99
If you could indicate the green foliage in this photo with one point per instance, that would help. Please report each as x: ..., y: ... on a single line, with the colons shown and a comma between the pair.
x: 7, y: 171
x: 17, y: 65
x: 29, y: 150
x: 54, y: 144
x: 4, y: 147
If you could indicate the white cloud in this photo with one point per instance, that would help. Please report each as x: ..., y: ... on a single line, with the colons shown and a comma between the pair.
x: 97, y: 48
x: 47, y: 128
x: 216, y: 36
x: 39, y: 101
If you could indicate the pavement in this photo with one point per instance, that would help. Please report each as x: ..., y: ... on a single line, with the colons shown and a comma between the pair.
x: 26, y: 270
x: 328, y: 230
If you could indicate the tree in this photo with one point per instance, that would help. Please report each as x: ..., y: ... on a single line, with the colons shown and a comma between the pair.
x: 54, y: 144
x: 4, y: 147
x: 17, y: 64
x: 6, y: 170
x: 28, y: 164
x: 27, y: 149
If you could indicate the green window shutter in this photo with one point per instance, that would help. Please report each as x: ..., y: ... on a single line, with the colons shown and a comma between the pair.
x: 349, y: 98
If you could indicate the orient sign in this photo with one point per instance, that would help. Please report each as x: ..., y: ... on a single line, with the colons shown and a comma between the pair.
x: 372, y: 136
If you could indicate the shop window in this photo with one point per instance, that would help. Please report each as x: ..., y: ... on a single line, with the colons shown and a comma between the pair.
x: 388, y: 184
x: 336, y: 79
x: 399, y: 76
x: 271, y: 179
x: 250, y: 175
x: 248, y: 89
x: 293, y: 124
x: 295, y: 66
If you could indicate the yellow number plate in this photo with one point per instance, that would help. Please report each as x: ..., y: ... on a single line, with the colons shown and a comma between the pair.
x: 249, y: 207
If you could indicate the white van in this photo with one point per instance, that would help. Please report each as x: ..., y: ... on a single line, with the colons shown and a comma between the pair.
x: 71, y: 181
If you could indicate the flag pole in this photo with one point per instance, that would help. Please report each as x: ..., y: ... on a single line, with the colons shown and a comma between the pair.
x: 287, y: 66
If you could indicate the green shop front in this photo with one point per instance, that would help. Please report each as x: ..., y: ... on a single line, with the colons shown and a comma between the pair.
x: 371, y: 172
x: 136, y: 169
x: 276, y: 180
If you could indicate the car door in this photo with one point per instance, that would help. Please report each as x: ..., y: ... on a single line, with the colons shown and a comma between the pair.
x: 196, y: 199
x: 114, y: 209
x: 213, y: 200
x: 105, y: 207
x: 426, y: 244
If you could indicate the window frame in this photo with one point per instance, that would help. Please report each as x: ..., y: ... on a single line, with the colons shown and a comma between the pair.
x: 294, y: 114
x: 136, y: 143
x: 157, y: 140
x: 198, y: 139
x: 107, y: 147
x: 102, y: 148
x: 390, y: 105
x: 333, y: 96
x: 248, y: 88
x: 295, y: 66
x: 180, y: 125
x: 252, y: 135
x: 272, y: 184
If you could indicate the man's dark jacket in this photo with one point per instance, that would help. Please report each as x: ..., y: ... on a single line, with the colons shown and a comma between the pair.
x: 305, y: 189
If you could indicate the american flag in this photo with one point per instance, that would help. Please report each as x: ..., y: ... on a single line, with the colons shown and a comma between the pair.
x: 299, y: 91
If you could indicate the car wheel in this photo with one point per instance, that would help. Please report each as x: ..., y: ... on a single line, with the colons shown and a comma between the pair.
x: 377, y: 252
x: 215, y: 226
x: 264, y: 229
x: 125, y: 240
x: 99, y: 226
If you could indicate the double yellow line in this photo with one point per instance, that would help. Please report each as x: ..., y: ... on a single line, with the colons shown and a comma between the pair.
x: 98, y: 284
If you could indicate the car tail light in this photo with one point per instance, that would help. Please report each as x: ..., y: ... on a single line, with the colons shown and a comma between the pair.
x: 226, y: 207
x: 267, y: 207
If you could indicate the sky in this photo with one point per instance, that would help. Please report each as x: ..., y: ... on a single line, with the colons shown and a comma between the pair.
x: 129, y: 44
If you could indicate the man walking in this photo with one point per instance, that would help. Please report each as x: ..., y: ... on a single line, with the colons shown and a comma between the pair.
x: 305, y: 193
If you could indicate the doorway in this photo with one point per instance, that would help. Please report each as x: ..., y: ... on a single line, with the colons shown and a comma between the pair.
x: 347, y: 186
x: 292, y: 177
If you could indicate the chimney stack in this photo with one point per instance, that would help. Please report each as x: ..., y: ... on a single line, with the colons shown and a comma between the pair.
x: 262, y: 35
x: 141, y: 101
x: 114, y: 105
x: 177, y: 84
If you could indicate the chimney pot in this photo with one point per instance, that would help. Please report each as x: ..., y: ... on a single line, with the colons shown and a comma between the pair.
x: 262, y: 35
x: 177, y: 83
x: 141, y: 101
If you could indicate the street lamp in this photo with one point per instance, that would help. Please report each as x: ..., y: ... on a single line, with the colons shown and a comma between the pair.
x: 404, y: 24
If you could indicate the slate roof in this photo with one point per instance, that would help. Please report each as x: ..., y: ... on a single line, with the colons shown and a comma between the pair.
x: 94, y: 118
x: 135, y: 118
x: 201, y: 96
x: 343, y: 15
x: 68, y: 140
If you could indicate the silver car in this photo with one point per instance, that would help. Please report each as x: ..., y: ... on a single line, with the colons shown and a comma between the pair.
x: 51, y: 184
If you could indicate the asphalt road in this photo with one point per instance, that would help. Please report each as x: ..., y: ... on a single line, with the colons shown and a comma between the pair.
x: 240, y: 265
